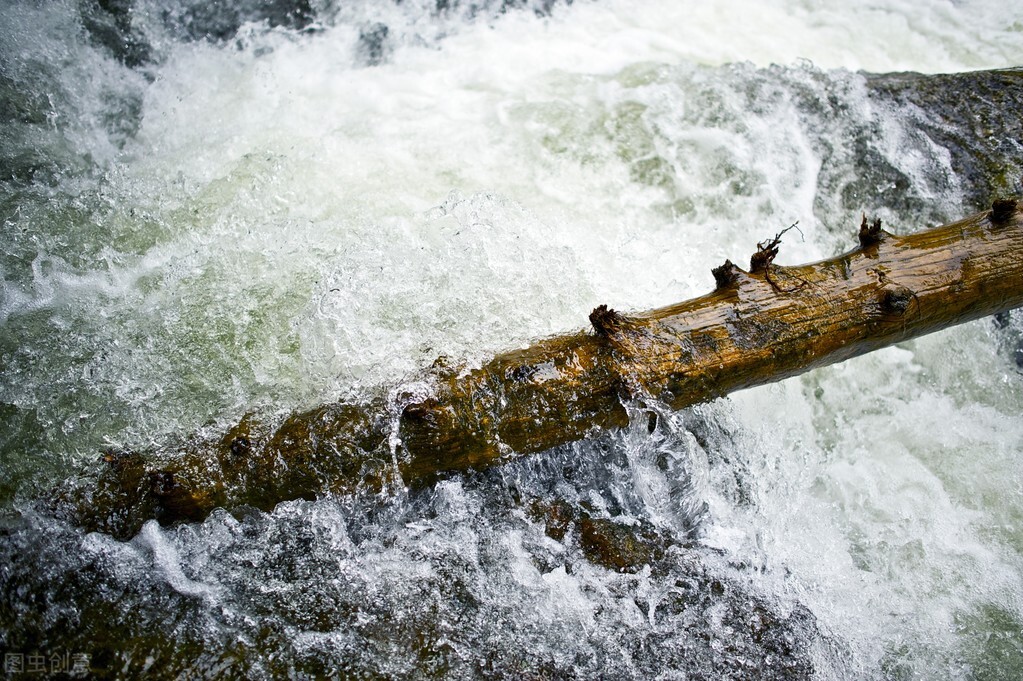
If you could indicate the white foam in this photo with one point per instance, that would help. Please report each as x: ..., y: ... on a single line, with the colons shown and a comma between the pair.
x: 168, y: 563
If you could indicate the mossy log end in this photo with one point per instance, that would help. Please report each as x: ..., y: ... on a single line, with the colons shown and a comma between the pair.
x: 757, y: 326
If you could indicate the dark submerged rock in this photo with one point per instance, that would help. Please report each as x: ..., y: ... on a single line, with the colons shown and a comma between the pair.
x: 732, y: 632
x: 108, y: 23
x: 219, y: 21
x: 974, y: 116
x: 373, y: 46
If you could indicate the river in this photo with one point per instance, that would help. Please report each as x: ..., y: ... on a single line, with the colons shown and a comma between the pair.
x: 209, y: 209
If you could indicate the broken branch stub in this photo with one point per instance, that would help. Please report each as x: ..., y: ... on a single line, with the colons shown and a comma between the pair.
x: 754, y: 328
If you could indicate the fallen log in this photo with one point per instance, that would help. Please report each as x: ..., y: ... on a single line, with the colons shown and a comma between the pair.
x: 757, y: 326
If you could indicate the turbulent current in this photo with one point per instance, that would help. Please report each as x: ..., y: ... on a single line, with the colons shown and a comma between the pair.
x: 214, y: 208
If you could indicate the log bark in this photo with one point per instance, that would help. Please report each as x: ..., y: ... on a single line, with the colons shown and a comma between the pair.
x: 757, y: 326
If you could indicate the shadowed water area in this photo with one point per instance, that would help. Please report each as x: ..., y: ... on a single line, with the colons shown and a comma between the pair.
x: 211, y: 209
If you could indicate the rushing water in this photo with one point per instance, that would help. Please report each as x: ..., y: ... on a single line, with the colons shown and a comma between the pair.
x: 211, y: 208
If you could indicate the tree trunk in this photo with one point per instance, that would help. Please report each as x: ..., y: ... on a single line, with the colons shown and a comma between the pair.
x: 757, y: 326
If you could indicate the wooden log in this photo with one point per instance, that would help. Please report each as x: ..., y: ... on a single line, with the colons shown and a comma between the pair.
x: 757, y: 326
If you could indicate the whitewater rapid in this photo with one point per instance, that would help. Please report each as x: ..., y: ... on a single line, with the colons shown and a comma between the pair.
x: 293, y: 215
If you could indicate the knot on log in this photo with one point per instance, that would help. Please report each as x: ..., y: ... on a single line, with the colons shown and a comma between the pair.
x: 1002, y: 211
x: 606, y: 322
x: 726, y: 275
x: 896, y: 300
x: 870, y: 233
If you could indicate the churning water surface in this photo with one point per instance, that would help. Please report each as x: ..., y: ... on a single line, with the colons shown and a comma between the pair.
x: 214, y: 208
